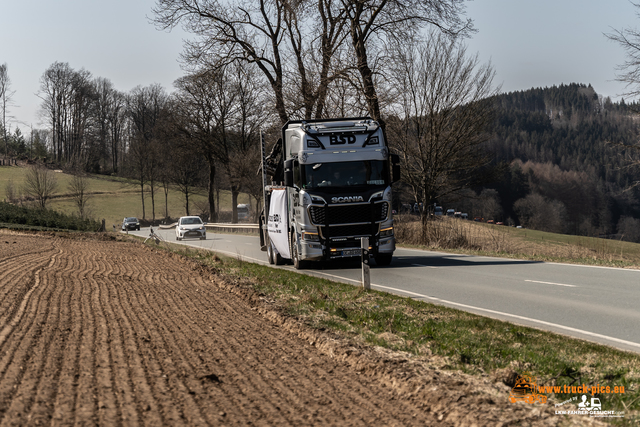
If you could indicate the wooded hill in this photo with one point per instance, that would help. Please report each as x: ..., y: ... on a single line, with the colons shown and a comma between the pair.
x: 564, y: 172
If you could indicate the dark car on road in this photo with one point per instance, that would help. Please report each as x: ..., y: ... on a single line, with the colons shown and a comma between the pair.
x: 130, y: 223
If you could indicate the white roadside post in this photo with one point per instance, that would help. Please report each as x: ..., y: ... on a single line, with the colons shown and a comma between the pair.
x: 366, y: 279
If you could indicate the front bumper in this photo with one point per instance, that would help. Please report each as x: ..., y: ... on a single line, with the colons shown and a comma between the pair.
x: 186, y: 234
x: 328, y: 250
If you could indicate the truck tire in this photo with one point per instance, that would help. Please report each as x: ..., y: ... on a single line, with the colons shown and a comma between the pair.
x: 270, y: 253
x: 383, y: 259
x: 274, y: 255
x: 295, y: 256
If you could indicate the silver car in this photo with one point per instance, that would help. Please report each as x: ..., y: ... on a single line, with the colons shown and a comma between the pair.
x: 190, y: 226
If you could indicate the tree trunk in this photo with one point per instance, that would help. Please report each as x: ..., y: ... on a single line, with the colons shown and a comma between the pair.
x: 166, y: 201
x: 153, y: 201
x: 211, y: 193
x: 370, y: 93
x: 142, y: 196
x: 234, y: 204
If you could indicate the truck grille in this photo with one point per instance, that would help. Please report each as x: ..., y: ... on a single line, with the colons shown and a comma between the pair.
x: 349, y: 231
x: 349, y: 214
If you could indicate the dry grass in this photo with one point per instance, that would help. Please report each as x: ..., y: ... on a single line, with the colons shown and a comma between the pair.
x: 470, y: 237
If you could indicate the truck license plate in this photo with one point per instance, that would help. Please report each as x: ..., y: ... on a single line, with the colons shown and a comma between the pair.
x: 352, y: 252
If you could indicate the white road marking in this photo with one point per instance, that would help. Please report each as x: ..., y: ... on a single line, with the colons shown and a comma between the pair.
x: 551, y: 283
x: 515, y: 316
x: 420, y: 265
x: 500, y: 313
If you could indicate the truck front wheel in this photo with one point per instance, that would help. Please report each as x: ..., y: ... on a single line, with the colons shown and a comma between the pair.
x: 298, y: 264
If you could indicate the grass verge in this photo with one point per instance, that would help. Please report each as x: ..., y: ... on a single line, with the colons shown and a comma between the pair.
x: 459, y: 236
x: 455, y: 339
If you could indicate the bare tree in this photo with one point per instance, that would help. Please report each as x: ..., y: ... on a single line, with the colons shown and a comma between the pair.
x: 41, y: 184
x: 6, y: 95
x: 443, y: 109
x: 372, y: 21
x: 629, y: 74
x: 221, y: 112
x: 79, y: 191
x: 110, y: 112
x: 205, y: 109
x: 146, y: 107
x: 629, y: 229
x: 187, y: 173
x: 11, y: 192
x: 248, y: 31
x: 282, y: 37
x: 629, y: 71
x: 488, y: 205
x: 540, y: 213
x: 68, y: 97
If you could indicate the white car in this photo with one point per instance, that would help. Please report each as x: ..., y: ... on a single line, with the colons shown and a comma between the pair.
x: 190, y: 226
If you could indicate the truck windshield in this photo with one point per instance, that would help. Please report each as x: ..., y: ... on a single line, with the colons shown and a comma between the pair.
x: 344, y: 174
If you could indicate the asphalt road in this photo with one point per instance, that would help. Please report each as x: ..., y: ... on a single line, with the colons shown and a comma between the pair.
x: 593, y: 303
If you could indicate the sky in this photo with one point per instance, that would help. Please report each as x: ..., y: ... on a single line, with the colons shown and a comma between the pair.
x: 529, y: 43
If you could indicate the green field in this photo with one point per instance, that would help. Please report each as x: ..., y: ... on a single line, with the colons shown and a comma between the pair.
x: 113, y: 198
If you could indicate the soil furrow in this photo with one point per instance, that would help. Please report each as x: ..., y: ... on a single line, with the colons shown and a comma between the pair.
x: 108, y: 410
x: 22, y: 366
x: 224, y: 330
x: 150, y: 323
x: 116, y: 333
x: 123, y: 384
x: 22, y: 274
x: 86, y: 401
x: 72, y: 329
x: 146, y: 405
x: 46, y: 351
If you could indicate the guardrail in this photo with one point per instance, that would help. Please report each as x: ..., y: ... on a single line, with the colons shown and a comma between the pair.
x: 234, y: 228
x: 224, y: 227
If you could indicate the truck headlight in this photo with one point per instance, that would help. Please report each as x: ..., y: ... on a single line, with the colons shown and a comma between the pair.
x: 306, y: 199
x: 387, y: 194
x: 318, y: 199
x: 386, y: 232
x: 310, y: 237
x: 376, y: 195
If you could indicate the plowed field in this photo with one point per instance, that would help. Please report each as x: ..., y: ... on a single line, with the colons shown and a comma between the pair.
x: 104, y: 332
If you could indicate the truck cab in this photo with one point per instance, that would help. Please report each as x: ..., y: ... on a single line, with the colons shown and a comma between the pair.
x: 338, y: 175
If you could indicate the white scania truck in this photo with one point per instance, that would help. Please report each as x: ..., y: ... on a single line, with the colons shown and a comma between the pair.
x: 330, y: 186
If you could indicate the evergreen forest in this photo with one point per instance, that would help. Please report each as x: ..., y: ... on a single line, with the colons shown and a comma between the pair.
x: 567, y: 163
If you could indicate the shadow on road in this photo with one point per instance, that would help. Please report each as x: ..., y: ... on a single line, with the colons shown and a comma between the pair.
x: 453, y: 261
x: 420, y: 261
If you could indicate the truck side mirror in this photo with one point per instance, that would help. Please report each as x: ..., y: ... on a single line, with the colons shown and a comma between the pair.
x: 395, y: 168
x: 289, y: 165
